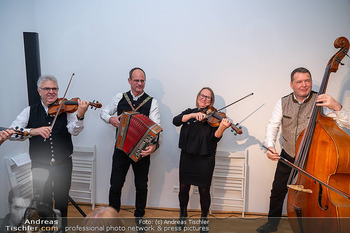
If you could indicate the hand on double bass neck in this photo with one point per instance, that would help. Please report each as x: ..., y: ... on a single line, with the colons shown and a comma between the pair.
x: 328, y: 101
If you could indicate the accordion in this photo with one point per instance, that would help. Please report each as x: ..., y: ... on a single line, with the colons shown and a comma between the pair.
x: 136, y: 131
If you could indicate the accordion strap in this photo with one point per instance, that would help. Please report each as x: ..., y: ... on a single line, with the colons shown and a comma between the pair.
x: 132, y: 107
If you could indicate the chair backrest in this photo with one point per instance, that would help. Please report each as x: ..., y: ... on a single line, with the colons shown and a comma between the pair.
x: 83, y: 188
x: 20, y: 175
x: 229, y: 181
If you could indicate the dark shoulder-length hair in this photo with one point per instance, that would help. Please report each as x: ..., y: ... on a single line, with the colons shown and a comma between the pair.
x: 211, y: 93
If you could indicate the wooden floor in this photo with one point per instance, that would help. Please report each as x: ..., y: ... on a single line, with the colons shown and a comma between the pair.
x: 228, y: 222
x: 128, y: 211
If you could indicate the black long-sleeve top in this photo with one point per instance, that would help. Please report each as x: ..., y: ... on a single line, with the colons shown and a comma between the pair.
x: 196, y: 137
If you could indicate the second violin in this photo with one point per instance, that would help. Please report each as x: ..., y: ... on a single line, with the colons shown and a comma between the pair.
x: 214, y: 118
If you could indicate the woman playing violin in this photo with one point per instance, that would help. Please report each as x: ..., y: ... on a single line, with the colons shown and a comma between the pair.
x: 198, y: 142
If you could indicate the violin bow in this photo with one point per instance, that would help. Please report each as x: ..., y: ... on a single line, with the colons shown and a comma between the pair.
x: 61, y: 104
x: 292, y: 165
x: 207, y: 115
x: 235, y: 102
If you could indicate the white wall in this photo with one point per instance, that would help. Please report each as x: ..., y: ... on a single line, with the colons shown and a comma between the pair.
x: 235, y: 47
x: 15, y: 18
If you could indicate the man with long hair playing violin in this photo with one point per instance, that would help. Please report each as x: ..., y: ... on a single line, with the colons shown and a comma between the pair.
x: 50, y: 144
x: 292, y: 113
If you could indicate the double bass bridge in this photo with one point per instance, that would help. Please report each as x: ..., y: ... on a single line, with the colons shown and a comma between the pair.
x: 299, y: 188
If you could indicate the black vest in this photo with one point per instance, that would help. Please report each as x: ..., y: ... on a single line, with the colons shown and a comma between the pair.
x: 123, y: 105
x: 60, y: 142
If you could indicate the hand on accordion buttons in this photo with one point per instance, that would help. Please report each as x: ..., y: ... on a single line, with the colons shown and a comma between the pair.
x: 115, y: 121
x: 148, y: 150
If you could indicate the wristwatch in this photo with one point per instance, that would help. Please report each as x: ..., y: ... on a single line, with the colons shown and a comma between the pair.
x: 80, y: 118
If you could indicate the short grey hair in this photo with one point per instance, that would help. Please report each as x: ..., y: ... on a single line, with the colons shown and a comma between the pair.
x: 46, y: 77
x: 299, y: 70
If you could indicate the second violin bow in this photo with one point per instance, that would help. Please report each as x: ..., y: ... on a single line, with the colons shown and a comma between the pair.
x: 235, y: 101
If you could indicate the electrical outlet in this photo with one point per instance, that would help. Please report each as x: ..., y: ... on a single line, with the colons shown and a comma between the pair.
x: 195, y: 189
x: 176, y: 189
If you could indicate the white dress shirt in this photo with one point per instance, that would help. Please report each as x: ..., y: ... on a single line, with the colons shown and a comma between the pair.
x: 109, y: 110
x: 342, y: 117
x: 74, y: 126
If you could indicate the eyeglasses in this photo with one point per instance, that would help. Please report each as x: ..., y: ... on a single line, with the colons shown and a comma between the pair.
x: 201, y: 96
x: 47, y: 89
x: 138, y: 80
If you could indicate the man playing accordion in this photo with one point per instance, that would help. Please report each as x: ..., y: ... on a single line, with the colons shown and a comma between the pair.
x: 135, y: 100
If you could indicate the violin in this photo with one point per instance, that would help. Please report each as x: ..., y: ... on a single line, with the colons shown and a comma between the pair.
x: 68, y: 106
x: 214, y: 118
x: 19, y: 132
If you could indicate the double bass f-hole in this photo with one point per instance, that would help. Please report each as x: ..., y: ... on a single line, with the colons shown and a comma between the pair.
x: 320, y: 197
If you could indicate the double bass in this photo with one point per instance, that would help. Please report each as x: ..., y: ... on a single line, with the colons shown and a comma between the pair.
x: 323, y: 150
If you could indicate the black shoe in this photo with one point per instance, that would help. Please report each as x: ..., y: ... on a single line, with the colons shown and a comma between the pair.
x: 181, y: 223
x: 267, y: 228
x: 204, y: 225
x: 140, y: 225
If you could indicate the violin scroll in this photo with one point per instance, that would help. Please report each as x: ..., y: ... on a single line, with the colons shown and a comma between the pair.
x: 19, y: 132
x: 95, y: 105
x: 238, y: 129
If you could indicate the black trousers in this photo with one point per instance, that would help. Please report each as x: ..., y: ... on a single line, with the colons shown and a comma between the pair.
x: 279, y: 189
x: 120, y: 167
x: 53, y: 183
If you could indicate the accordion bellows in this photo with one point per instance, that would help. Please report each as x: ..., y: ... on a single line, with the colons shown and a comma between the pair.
x: 136, y: 131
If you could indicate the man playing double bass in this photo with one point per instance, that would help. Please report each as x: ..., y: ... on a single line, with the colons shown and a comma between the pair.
x: 291, y: 113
